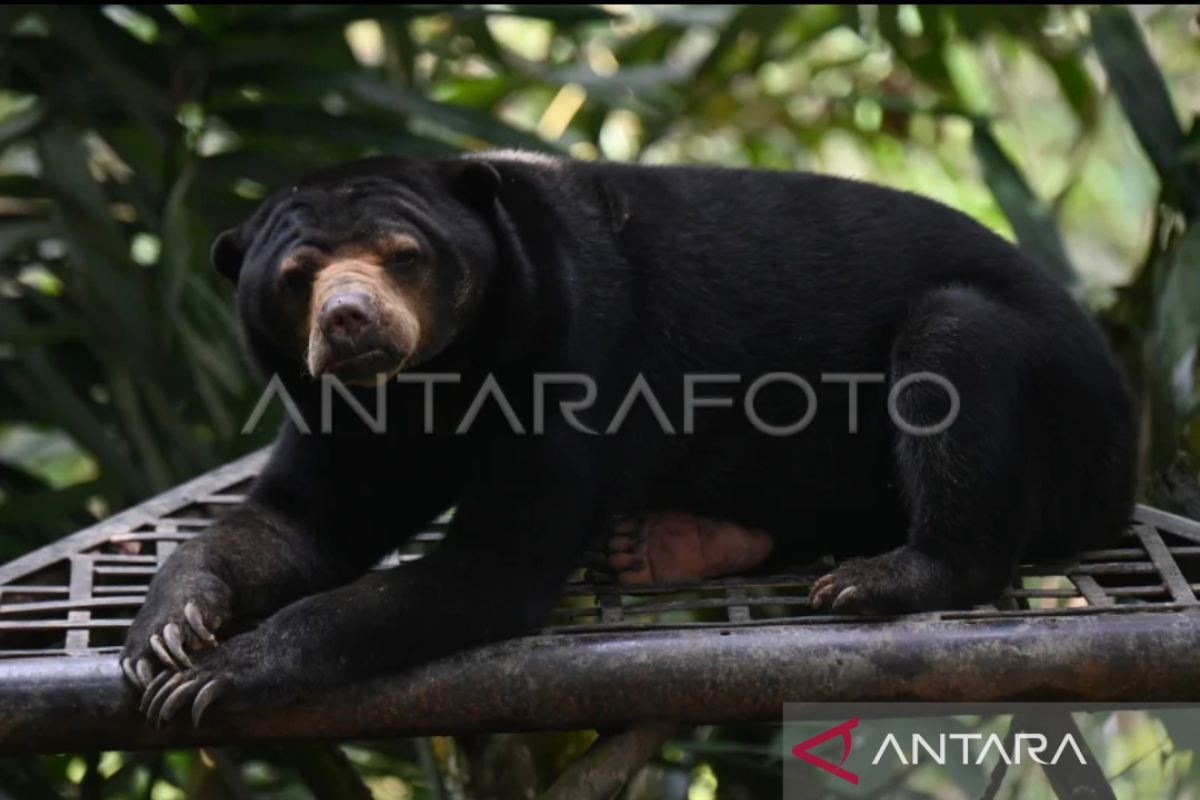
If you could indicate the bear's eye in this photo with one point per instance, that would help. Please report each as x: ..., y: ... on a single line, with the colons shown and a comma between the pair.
x: 403, y: 259
x: 296, y: 281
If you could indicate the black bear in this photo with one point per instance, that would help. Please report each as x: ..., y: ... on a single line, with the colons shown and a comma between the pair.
x: 721, y: 366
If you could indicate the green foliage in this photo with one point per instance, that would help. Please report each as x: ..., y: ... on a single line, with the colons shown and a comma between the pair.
x: 1163, y: 302
x: 131, y: 135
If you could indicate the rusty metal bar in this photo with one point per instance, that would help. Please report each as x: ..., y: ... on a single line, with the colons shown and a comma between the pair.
x: 1177, y: 584
x: 62, y: 625
x: 221, y: 499
x: 609, y: 601
x: 27, y: 589
x: 1090, y: 589
x: 82, y: 576
x: 1179, y: 526
x: 1102, y: 568
x: 87, y: 602
x: 555, y: 682
x: 149, y: 569
x: 738, y: 602
x: 144, y: 514
x: 164, y: 547
x: 167, y: 533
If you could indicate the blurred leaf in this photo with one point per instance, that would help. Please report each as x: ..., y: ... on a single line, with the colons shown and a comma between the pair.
x: 18, y: 232
x: 137, y: 427
x: 327, y: 771
x: 41, y: 386
x: 741, y: 44
x: 565, y: 13
x: 1074, y: 83
x: 296, y: 18
x: 217, y: 364
x: 920, y: 52
x: 46, y: 505
x: 41, y: 335
x: 1142, y: 91
x: 144, y: 101
x: 1138, y: 84
x: 177, y: 248
x: 21, y: 124
x: 79, y: 201
x: 1030, y: 218
x: 355, y: 133
x: 468, y: 121
x: 120, y: 306
x: 22, y: 186
x: 1176, y: 333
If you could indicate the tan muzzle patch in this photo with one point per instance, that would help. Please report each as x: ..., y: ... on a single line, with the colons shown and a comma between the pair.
x: 397, y: 329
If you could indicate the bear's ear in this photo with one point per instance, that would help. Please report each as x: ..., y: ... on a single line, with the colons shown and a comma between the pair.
x: 227, y: 253
x: 475, y: 182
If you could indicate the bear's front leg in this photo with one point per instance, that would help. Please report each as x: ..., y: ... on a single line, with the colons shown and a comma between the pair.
x: 254, y: 561
x: 311, y: 522
x: 190, y: 600
x: 497, y: 575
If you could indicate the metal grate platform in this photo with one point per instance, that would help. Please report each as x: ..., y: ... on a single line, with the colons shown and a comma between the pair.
x: 1117, y: 624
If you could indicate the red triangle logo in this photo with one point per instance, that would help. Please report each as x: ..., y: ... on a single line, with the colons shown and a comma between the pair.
x: 843, y: 730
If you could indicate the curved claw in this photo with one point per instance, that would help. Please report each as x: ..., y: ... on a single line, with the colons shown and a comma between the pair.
x: 161, y: 696
x: 160, y: 650
x: 174, y: 644
x: 845, y: 597
x: 130, y: 674
x: 153, y: 687
x: 145, y: 671
x: 192, y: 614
x: 180, y: 695
x: 205, y: 698
x: 821, y: 591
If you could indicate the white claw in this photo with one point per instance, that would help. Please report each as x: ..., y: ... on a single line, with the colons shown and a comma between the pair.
x: 847, y: 594
x: 174, y: 644
x: 176, y: 699
x: 160, y: 650
x: 204, y: 698
x: 130, y: 674
x: 161, y: 697
x: 196, y: 620
x: 153, y: 687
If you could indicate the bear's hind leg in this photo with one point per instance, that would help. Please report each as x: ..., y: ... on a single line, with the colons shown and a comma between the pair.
x: 967, y: 488
x: 677, y: 547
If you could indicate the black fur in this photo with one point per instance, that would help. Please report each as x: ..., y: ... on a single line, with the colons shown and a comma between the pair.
x: 618, y: 271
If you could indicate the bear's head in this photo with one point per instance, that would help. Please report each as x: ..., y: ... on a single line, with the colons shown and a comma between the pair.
x: 363, y: 270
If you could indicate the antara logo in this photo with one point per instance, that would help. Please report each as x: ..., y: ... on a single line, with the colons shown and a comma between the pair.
x: 973, y: 747
x: 1033, y: 744
x: 843, y: 730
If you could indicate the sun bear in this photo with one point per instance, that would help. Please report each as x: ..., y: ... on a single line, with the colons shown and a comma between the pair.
x: 719, y: 367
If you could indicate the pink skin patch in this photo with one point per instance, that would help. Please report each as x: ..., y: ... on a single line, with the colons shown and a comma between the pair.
x: 677, y: 547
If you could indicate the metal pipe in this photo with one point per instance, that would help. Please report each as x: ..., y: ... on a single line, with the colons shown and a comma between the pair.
x: 566, y: 682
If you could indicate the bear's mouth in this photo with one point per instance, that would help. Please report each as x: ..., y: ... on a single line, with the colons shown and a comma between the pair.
x: 369, y: 367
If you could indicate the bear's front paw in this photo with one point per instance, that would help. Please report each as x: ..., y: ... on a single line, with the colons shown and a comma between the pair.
x: 180, y: 619
x: 250, y: 665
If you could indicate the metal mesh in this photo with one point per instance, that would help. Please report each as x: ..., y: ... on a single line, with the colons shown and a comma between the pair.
x: 78, y: 596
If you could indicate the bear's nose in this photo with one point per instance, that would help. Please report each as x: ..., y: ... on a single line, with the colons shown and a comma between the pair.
x: 345, y: 316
